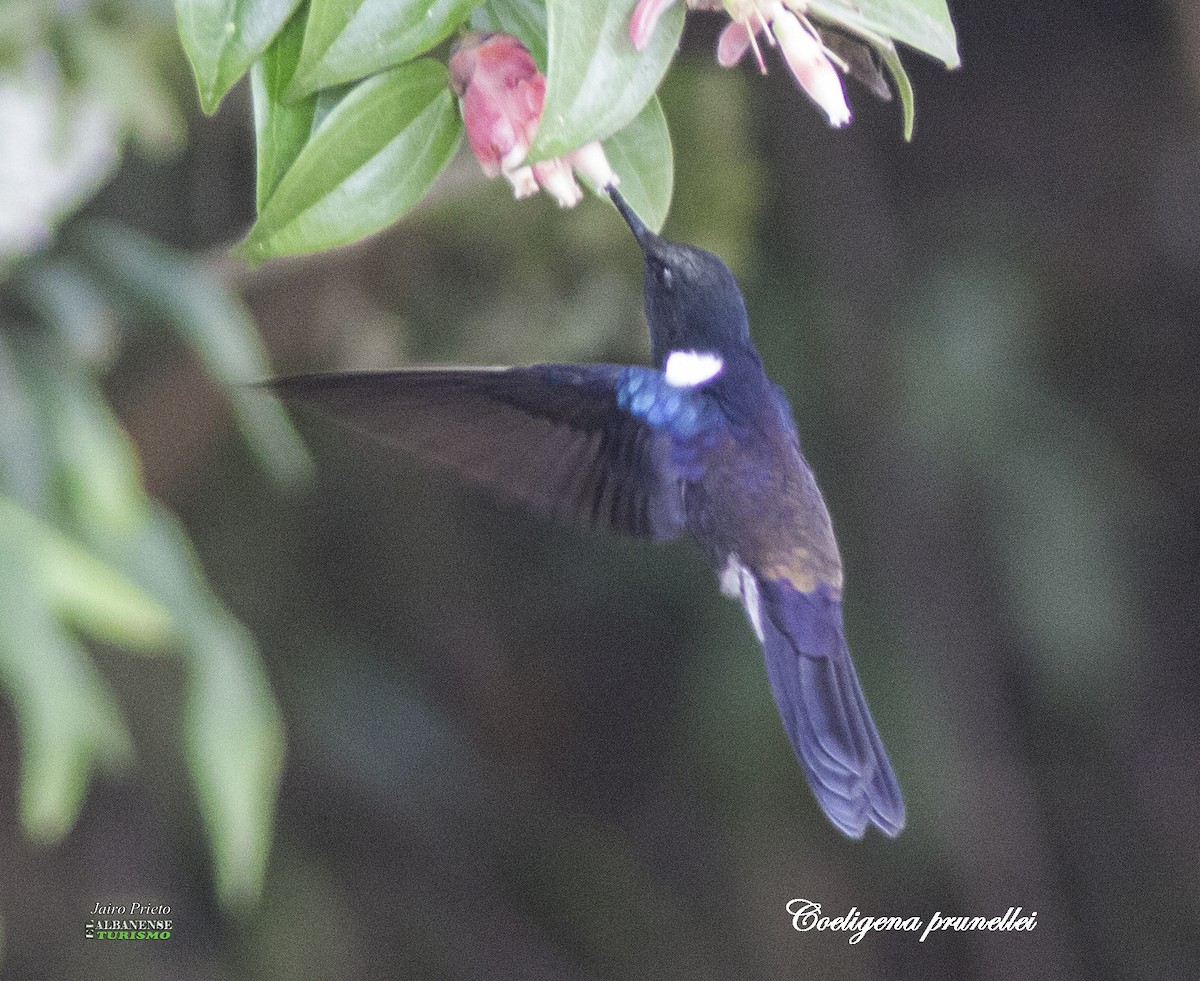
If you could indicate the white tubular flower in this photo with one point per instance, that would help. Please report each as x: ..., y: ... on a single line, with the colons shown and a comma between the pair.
x: 811, y: 66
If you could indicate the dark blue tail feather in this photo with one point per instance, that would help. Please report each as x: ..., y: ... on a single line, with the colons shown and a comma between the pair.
x: 824, y: 711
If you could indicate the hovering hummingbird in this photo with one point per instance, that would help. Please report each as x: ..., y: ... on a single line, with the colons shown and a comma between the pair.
x: 701, y: 444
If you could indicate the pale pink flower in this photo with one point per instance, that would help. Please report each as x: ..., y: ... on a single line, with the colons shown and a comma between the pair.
x: 556, y: 177
x: 811, y: 66
x: 733, y: 43
x: 590, y: 161
x: 778, y: 22
x: 645, y: 18
x: 501, y: 94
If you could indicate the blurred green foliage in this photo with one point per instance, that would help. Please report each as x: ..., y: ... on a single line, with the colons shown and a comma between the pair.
x: 84, y: 551
x: 977, y: 402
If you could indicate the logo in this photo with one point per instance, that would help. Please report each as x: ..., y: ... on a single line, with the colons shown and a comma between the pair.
x: 135, y: 921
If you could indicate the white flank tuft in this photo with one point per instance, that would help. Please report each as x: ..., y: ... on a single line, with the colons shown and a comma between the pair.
x: 739, y: 583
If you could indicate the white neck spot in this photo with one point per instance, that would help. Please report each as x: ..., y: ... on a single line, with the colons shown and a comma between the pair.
x: 687, y: 369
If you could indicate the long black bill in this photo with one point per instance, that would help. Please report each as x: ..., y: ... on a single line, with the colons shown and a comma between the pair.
x: 640, y: 231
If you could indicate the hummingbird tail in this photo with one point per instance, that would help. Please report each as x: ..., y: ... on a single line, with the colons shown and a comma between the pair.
x: 825, y: 712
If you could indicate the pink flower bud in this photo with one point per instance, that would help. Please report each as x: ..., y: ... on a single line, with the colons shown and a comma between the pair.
x: 646, y: 16
x: 501, y: 93
x: 811, y: 67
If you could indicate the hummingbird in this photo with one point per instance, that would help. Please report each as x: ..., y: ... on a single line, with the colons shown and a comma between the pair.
x: 701, y: 444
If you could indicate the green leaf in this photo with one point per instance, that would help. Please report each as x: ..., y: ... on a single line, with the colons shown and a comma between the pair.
x: 327, y: 101
x: 280, y: 129
x: 348, y: 39
x: 370, y: 160
x: 96, y: 463
x: 62, y: 293
x: 24, y: 27
x: 24, y: 468
x: 641, y: 156
x: 69, y: 723
x: 596, y: 83
x: 223, y: 38
x: 921, y: 24
x: 75, y: 584
x: 523, y: 19
x: 234, y: 740
x: 213, y: 321
x: 82, y: 447
x: 234, y: 733
x: 114, y: 67
x: 100, y: 601
x: 891, y: 58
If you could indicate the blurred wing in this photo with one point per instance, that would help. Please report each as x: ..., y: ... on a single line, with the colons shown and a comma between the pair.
x: 824, y: 711
x: 548, y: 435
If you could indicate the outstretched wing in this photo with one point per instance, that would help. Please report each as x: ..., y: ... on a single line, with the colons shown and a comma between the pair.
x: 824, y: 710
x: 552, y: 436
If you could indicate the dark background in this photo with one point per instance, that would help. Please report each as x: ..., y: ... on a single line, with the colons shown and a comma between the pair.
x: 524, y: 751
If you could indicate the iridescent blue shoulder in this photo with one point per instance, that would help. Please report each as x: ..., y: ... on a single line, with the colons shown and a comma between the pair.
x: 681, y: 411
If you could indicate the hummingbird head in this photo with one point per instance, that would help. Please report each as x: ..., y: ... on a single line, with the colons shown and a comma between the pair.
x: 692, y: 300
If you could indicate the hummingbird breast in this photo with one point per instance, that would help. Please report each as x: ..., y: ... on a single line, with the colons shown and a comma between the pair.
x: 759, y: 505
